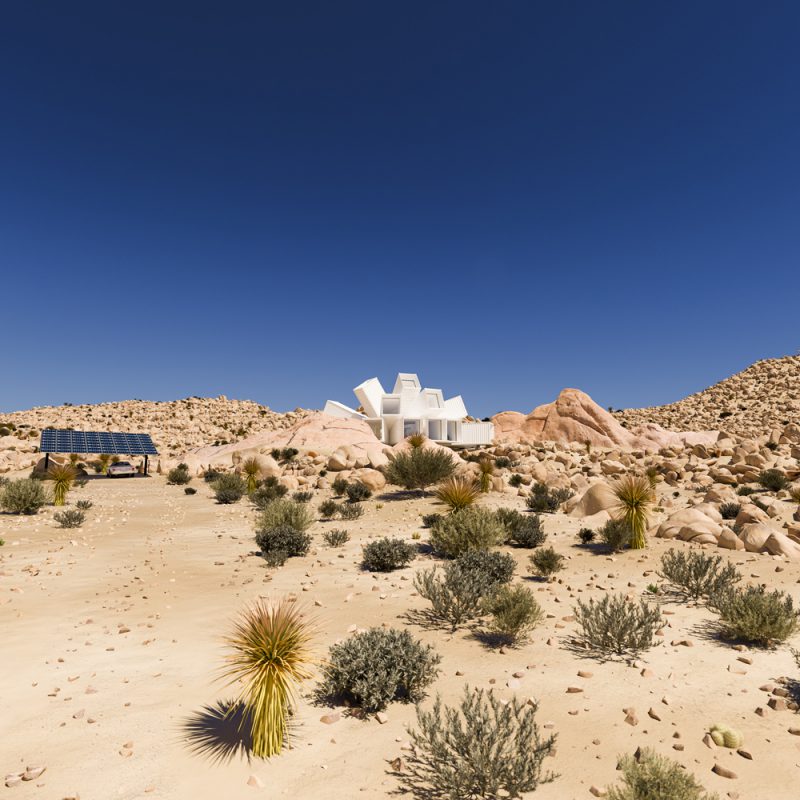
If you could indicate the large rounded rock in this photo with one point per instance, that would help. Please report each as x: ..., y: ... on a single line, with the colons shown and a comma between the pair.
x: 778, y: 544
x: 754, y: 536
x: 371, y: 478
x: 598, y: 497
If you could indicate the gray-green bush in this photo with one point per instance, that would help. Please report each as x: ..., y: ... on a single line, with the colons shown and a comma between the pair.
x: 419, y: 468
x: 283, y: 539
x: 515, y: 613
x: 385, y: 555
x: 752, y: 614
x: 23, y: 496
x: 179, y: 476
x: 285, y: 512
x: 229, y: 488
x: 695, y: 574
x: 375, y: 667
x: 616, y: 535
x: 546, y: 562
x: 70, y: 518
x: 336, y: 537
x: 646, y: 775
x: 351, y: 511
x: 481, y: 749
x: 616, y: 625
x: 470, y: 529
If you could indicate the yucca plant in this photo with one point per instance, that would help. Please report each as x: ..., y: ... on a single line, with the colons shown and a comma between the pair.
x: 270, y: 655
x: 416, y: 440
x: 457, y: 493
x: 635, y: 496
x: 251, y: 469
x: 485, y: 475
x: 105, y: 460
x: 62, y: 476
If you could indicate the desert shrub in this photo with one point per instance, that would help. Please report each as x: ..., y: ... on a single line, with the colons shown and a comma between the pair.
x: 470, y: 529
x: 351, y: 511
x: 229, y: 488
x: 268, y: 490
x: 502, y: 462
x: 482, y: 749
x: 616, y: 625
x: 541, y: 499
x: 515, y: 480
x: 745, y: 491
x: 616, y: 535
x: 210, y: 475
x: 251, y: 469
x: 339, y: 486
x: 23, y: 496
x: 179, y: 476
x: 372, y: 668
x: 489, y: 569
x: 528, y: 532
x: 62, y: 476
x: 416, y: 440
x: 756, y: 616
x: 773, y: 480
x: 485, y: 473
x: 515, y: 613
x: 586, y: 535
x: 285, y: 512
x: 457, y: 492
x: 189, y: 490
x: 758, y: 504
x: 730, y: 510
x: 80, y: 483
x: 84, y: 505
x: 275, y: 453
x: 384, y: 555
x: 357, y: 491
x: 546, y: 562
x: 283, y: 539
x: 275, y: 558
x: 419, y: 468
x: 429, y: 520
x: 771, y: 446
x: 562, y: 495
x: 70, y: 518
x: 635, y: 496
x: 302, y: 497
x: 646, y: 775
x: 288, y: 453
x: 336, y: 537
x: 697, y: 575
x: 328, y: 508
x: 509, y: 518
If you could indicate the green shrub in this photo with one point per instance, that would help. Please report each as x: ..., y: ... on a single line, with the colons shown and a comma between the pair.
x: 502, y: 462
x: 756, y: 616
x: 23, y: 496
x: 515, y: 613
x: 285, y: 512
x: 70, y: 518
x: 84, y: 505
x: 457, y: 492
x: 275, y: 453
x: 697, y: 575
x: 616, y: 625
x: 483, y: 749
x: 515, y: 480
x: 351, y: 511
x: 375, y: 667
x: 229, y: 488
x: 357, y: 491
x: 616, y: 535
x: 336, y: 537
x: 730, y: 510
x: 302, y: 497
x: 429, y: 520
x: 489, y: 569
x: 544, y: 500
x: 288, y: 453
x: 454, y: 594
x: 546, y: 562
x: 268, y: 490
x: 179, y: 476
x: 384, y: 555
x: 283, y: 539
x: 275, y: 558
x: 328, y: 509
x: 419, y: 468
x: 745, y: 491
x: 528, y: 532
x: 773, y: 480
x: 470, y: 529
x: 586, y: 535
x: 646, y: 775
x: 189, y: 490
x: 339, y: 486
x: 211, y: 474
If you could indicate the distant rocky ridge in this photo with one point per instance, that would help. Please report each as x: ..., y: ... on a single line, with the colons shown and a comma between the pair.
x: 758, y: 401
x: 176, y: 426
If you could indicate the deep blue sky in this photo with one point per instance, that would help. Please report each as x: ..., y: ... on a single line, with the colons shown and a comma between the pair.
x: 275, y: 201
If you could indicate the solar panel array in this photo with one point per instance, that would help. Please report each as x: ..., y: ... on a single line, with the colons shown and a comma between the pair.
x: 64, y: 441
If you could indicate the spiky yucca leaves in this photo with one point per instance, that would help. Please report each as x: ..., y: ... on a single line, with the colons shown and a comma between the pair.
x: 635, y: 496
x: 457, y: 492
x: 252, y: 470
x: 62, y: 476
x: 485, y: 475
x: 105, y: 460
x: 270, y: 655
x: 416, y: 440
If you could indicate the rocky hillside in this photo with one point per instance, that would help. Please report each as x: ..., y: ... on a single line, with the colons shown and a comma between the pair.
x: 763, y: 398
x: 176, y: 426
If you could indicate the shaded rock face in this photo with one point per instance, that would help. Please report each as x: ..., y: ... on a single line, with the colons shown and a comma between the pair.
x: 575, y: 417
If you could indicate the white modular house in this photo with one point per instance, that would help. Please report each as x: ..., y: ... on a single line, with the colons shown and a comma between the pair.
x: 411, y: 409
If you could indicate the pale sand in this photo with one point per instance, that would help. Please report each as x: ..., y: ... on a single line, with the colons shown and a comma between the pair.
x: 147, y: 559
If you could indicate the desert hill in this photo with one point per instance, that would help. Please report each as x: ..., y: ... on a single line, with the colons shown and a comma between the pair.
x: 755, y: 402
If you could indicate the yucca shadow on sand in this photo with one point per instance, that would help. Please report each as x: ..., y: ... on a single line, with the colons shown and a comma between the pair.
x: 219, y: 732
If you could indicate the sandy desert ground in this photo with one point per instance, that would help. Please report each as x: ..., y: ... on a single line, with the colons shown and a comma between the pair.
x: 112, y: 640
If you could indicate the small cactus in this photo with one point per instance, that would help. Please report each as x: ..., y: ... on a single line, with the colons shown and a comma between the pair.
x: 725, y: 736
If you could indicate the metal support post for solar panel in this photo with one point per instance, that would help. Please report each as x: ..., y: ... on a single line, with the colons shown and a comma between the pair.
x: 145, y: 465
x: 46, y: 461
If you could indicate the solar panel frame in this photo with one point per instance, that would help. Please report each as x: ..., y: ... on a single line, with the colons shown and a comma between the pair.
x: 59, y: 440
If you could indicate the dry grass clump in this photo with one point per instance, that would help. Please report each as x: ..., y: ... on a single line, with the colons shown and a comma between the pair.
x: 457, y: 493
x: 481, y: 749
x: 635, y: 496
x: 270, y: 656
